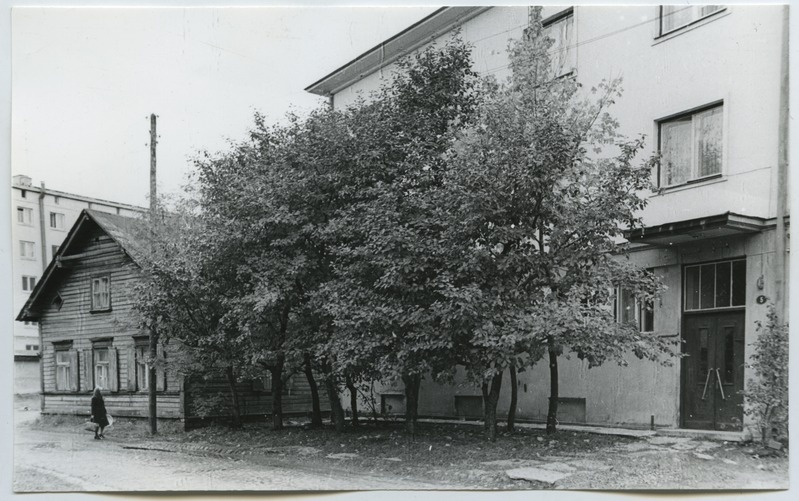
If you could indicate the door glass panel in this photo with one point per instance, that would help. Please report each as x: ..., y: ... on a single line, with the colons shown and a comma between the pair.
x: 738, y: 283
x: 692, y: 288
x: 723, y: 284
x: 729, y: 355
x: 702, y: 354
x: 707, y: 286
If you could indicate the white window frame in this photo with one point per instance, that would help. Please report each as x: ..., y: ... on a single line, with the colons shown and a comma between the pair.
x: 694, y: 167
x: 102, y: 368
x: 57, y: 221
x: 25, y: 216
x: 142, y: 351
x: 28, y: 283
x: 101, y: 296
x: 698, y: 13
x: 24, y: 247
x: 63, y: 367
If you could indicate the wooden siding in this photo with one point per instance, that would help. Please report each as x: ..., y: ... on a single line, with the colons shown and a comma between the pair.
x: 75, y: 322
x: 254, y: 401
x: 117, y: 404
x: 76, y: 327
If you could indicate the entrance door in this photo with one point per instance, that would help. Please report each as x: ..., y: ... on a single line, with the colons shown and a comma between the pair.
x: 713, y: 371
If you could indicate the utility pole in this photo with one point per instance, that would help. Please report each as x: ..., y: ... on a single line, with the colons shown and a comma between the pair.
x: 153, y: 356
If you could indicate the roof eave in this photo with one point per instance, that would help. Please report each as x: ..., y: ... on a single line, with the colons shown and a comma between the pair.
x: 391, y: 49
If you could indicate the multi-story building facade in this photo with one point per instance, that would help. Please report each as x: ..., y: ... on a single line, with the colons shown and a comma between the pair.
x: 703, y: 83
x: 41, y: 218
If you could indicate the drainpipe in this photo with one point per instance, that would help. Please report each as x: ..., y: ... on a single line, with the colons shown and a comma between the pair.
x: 782, y: 176
x: 42, y: 229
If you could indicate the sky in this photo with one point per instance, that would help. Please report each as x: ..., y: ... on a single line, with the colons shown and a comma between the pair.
x: 84, y: 81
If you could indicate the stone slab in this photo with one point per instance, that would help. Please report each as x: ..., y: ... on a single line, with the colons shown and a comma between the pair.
x: 533, y: 474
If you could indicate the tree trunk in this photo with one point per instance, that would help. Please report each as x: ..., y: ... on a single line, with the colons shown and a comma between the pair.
x: 337, y: 413
x: 552, y: 413
x: 513, y: 398
x: 353, y: 399
x: 412, y: 383
x: 490, y: 398
x: 316, y: 416
x: 231, y: 381
x: 277, y: 393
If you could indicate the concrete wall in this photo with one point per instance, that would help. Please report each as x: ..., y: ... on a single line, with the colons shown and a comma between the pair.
x: 733, y: 57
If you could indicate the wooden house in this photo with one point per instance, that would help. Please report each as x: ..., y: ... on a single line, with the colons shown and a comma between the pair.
x: 89, y: 337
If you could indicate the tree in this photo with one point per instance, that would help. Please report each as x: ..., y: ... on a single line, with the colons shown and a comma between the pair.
x: 540, y: 190
x: 185, y: 294
x: 389, y: 248
x: 767, y: 391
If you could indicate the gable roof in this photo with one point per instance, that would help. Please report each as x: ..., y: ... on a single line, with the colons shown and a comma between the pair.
x: 126, y: 232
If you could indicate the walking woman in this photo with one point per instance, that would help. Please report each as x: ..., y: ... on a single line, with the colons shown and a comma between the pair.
x: 99, y: 415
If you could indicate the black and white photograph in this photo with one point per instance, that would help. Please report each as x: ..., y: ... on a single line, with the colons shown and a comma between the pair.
x: 413, y: 248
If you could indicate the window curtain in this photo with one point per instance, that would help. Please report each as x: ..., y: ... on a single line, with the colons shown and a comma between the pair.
x: 675, y: 148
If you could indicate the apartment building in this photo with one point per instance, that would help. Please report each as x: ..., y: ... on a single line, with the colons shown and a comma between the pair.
x: 41, y: 218
x: 703, y: 84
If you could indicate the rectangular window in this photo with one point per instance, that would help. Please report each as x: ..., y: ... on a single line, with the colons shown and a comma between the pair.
x: 56, y: 220
x: 28, y: 283
x: 562, y: 53
x: 24, y: 216
x: 32, y: 347
x: 62, y: 371
x: 673, y: 17
x: 715, y: 285
x: 101, y: 294
x: 142, y: 350
x: 56, y: 199
x: 27, y: 250
x: 629, y: 309
x: 691, y: 146
x: 102, y: 373
x: 66, y: 366
x: 647, y: 316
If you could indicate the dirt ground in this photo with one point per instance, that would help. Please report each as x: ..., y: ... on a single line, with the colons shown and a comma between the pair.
x: 440, y: 456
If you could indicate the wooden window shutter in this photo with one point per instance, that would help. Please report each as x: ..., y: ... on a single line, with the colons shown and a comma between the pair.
x: 160, y: 373
x: 88, y: 369
x: 132, y: 368
x: 74, y: 376
x: 113, y: 370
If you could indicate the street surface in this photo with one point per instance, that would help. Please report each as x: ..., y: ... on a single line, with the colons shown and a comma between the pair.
x: 71, y: 460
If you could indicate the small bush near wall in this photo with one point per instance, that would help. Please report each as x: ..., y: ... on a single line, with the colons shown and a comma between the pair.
x: 767, y: 392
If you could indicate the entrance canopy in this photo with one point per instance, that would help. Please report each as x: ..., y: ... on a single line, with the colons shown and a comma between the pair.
x: 722, y: 225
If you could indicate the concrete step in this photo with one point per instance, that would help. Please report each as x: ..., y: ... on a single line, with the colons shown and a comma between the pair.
x: 729, y: 436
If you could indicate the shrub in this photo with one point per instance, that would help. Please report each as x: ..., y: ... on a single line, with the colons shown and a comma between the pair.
x: 767, y: 392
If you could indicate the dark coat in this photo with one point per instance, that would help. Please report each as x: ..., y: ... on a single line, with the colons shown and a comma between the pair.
x: 100, y: 416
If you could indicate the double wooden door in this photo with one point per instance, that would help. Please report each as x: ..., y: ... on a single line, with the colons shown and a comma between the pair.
x: 713, y: 371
